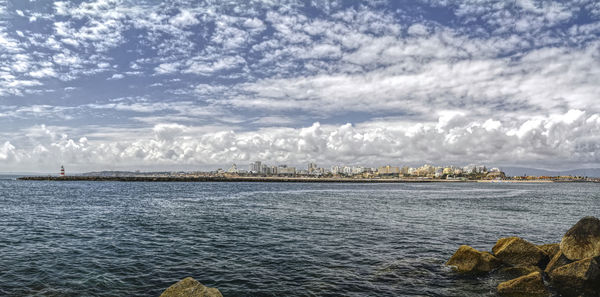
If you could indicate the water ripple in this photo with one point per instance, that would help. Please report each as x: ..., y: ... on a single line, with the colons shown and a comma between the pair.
x: 273, y: 239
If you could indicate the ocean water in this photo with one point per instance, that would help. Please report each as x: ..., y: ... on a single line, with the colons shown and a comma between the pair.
x: 268, y: 239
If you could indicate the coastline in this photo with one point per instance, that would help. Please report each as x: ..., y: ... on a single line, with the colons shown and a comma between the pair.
x: 268, y: 179
x: 232, y: 179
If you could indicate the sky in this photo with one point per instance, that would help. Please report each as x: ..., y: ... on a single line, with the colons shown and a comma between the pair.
x: 195, y: 85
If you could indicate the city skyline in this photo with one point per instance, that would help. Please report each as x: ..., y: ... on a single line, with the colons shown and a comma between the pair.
x: 183, y: 85
x: 259, y: 167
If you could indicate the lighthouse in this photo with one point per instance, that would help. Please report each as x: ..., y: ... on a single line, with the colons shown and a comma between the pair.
x: 62, y: 170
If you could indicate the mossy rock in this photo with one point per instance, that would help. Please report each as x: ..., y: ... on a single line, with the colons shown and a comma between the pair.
x: 582, y: 240
x: 469, y: 260
x: 189, y: 287
x: 579, y: 276
x: 550, y: 249
x: 557, y: 261
x: 519, y: 252
x: 516, y: 271
x: 530, y: 285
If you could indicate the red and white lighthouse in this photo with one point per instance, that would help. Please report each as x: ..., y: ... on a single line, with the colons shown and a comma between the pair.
x: 62, y: 170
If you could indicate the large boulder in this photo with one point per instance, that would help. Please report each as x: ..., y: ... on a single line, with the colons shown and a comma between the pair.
x: 189, y: 287
x: 469, y: 260
x: 576, y: 277
x: 550, y: 249
x: 516, y: 271
x: 557, y: 261
x: 528, y: 285
x: 582, y: 240
x: 519, y: 252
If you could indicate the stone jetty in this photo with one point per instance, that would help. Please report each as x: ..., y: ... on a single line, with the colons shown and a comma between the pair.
x: 189, y: 287
x: 569, y: 268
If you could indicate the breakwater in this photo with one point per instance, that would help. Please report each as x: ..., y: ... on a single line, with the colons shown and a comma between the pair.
x: 230, y: 179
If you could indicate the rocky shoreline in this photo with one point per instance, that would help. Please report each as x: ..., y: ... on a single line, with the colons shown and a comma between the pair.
x: 570, y: 268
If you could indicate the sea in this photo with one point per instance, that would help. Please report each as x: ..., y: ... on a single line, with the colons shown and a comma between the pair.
x: 269, y: 239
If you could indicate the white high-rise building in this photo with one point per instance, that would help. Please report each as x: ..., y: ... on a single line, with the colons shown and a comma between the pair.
x: 335, y: 170
x: 255, y: 167
x: 358, y: 170
x: 347, y: 170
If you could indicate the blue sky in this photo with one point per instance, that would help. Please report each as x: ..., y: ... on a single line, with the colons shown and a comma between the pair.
x: 106, y: 85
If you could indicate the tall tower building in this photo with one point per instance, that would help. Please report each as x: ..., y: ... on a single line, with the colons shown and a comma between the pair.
x: 62, y: 170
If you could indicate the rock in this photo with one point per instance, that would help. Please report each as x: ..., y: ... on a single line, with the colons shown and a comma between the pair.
x: 519, y: 252
x: 469, y: 260
x: 582, y: 240
x: 517, y: 271
x: 557, y: 261
x: 189, y: 287
x: 527, y: 285
x: 550, y: 249
x: 576, y: 277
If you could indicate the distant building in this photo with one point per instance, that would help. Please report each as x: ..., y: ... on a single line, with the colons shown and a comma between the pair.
x: 62, y: 170
x: 425, y: 170
x: 439, y: 171
x: 347, y: 170
x: 469, y: 169
x: 335, y: 170
x: 357, y: 170
x: 312, y: 167
x: 285, y: 170
x: 388, y: 170
x: 495, y: 175
x: 233, y: 169
x: 472, y: 168
x: 404, y: 170
x: 265, y: 169
x: 255, y: 168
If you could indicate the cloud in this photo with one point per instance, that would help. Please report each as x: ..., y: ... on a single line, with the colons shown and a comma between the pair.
x: 44, y: 72
x: 184, y: 19
x: 199, y: 66
x: 323, y: 51
x: 533, y: 82
x: 222, y: 82
x: 254, y: 24
x: 566, y: 138
x: 37, y: 111
x: 116, y: 76
x: 167, y: 68
x: 8, y: 152
x: 167, y: 132
x: 417, y: 29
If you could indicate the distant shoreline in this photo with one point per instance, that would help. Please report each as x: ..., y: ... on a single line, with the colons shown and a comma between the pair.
x: 265, y: 179
x: 231, y: 179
